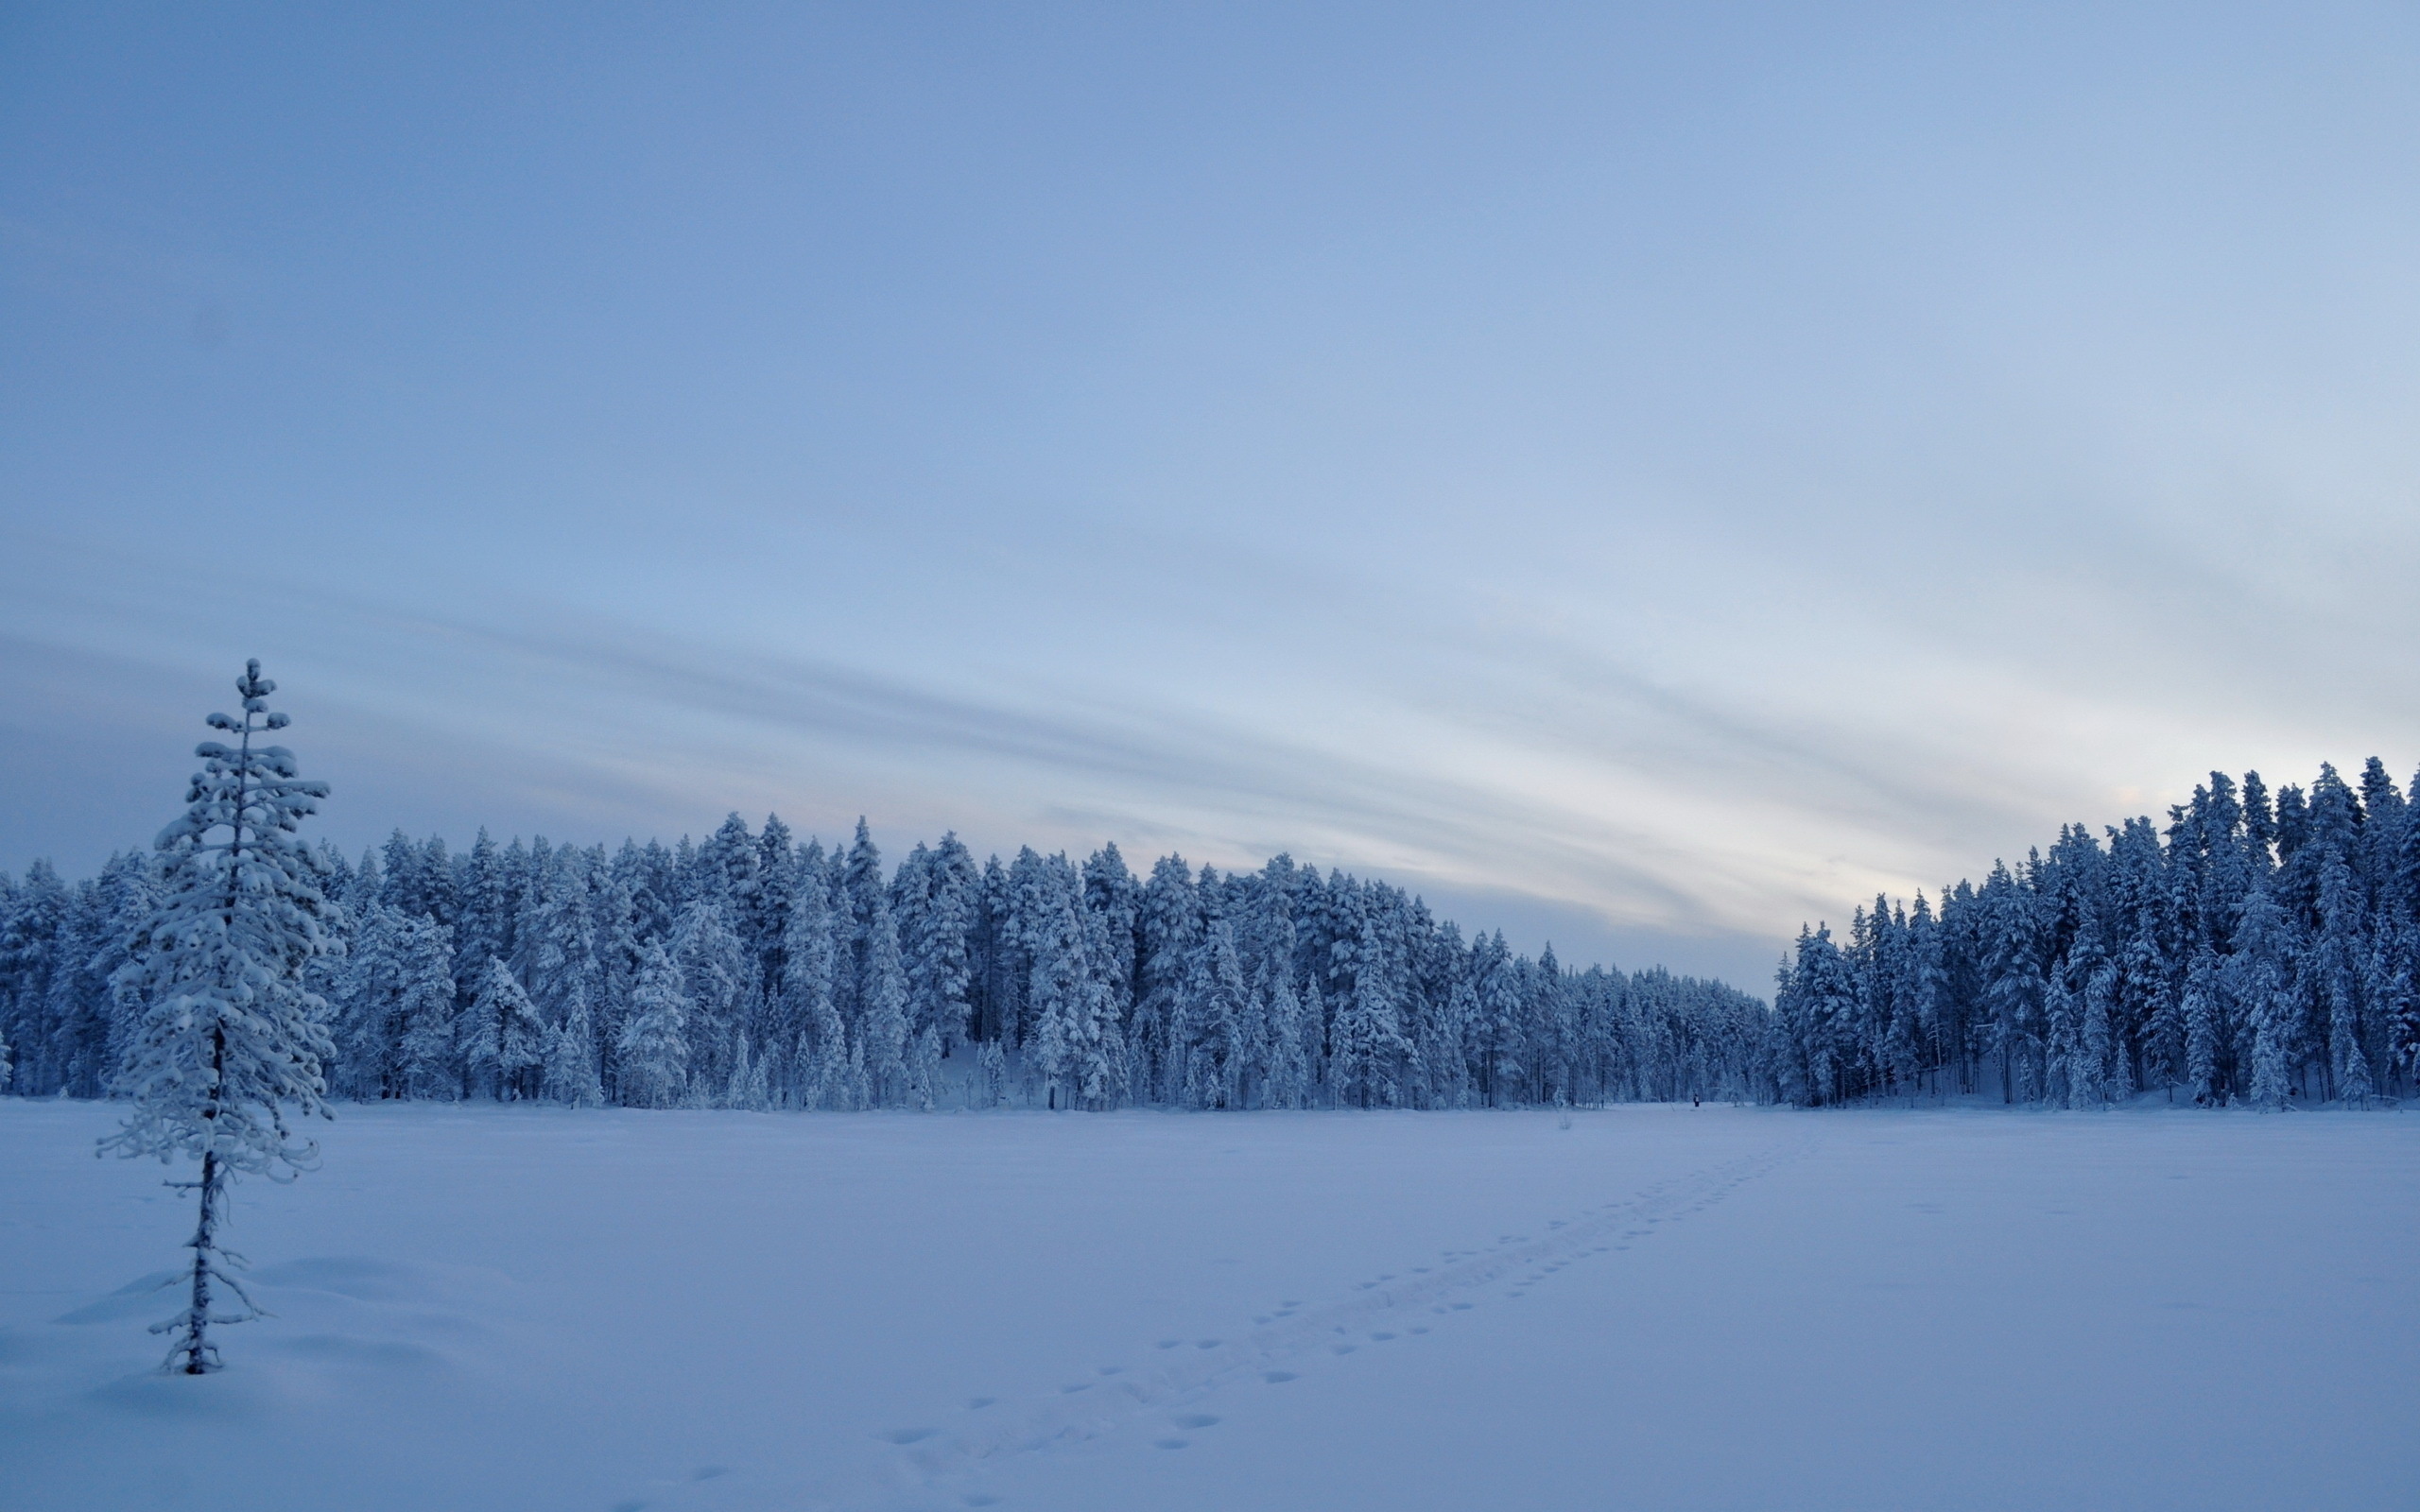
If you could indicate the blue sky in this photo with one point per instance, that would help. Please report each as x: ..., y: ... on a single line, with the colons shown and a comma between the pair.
x: 1645, y: 476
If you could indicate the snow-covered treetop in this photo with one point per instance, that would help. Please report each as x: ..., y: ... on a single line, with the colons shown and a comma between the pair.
x: 230, y: 1036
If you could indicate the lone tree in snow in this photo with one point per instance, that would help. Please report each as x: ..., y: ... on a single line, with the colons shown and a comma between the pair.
x: 229, y: 1036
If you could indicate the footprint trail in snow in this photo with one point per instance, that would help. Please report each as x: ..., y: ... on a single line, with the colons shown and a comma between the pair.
x: 925, y: 1466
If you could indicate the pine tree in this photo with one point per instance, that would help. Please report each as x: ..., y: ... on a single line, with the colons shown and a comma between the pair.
x: 934, y: 902
x: 1369, y: 1042
x: 1100, y: 1061
x: 570, y: 1071
x: 2103, y: 1078
x: 654, y: 1048
x: 2394, y: 1001
x: 1285, y: 1080
x: 997, y: 964
x: 810, y: 1010
x: 765, y: 921
x: 746, y: 1090
x: 991, y: 1069
x: 1113, y: 913
x: 484, y: 931
x: 503, y: 1038
x: 1214, y: 1011
x: 2016, y: 983
x: 1059, y: 993
x: 1496, y: 990
x: 426, y: 1063
x: 2337, y: 960
x: 557, y: 937
x: 230, y: 1036
x: 618, y: 949
x: 28, y: 958
x: 2150, y: 1005
x: 369, y: 992
x: 130, y: 893
x: 71, y: 1015
x: 1817, y: 1006
x: 2265, y: 968
x: 1171, y: 917
x: 717, y: 977
x: 2204, y: 1030
x: 876, y: 989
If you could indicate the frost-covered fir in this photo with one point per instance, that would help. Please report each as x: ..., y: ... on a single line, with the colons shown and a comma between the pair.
x: 504, y: 1041
x: 228, y: 1046
x: 654, y: 1045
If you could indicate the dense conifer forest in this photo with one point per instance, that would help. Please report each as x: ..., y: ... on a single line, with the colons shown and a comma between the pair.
x: 2254, y: 948
x: 750, y: 972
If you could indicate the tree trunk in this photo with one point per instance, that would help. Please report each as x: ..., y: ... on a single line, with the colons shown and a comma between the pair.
x: 196, y: 1346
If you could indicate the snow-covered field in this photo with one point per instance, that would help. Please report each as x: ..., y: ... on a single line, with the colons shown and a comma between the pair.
x: 1656, y: 1307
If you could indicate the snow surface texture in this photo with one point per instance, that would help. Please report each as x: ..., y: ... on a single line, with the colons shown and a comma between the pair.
x: 535, y: 1308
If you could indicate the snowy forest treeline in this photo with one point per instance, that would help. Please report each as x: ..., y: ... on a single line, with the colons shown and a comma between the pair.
x: 2254, y: 948
x: 750, y: 972
x: 2257, y: 950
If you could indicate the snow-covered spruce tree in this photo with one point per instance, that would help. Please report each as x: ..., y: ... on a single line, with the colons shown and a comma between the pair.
x: 78, y: 1009
x: 30, y: 934
x: 503, y: 1038
x: 363, y: 994
x: 2391, y: 990
x: 133, y: 894
x: 1170, y: 915
x: 748, y: 1089
x: 2205, y: 1032
x: 1496, y: 989
x: 991, y: 1086
x: 569, y: 1075
x: 1370, y: 1043
x: 1060, y: 1005
x: 810, y: 962
x: 876, y: 998
x: 1100, y: 1052
x: 230, y: 1036
x: 2267, y: 965
x: 427, y: 1064
x: 655, y: 1042
x: 1214, y: 1003
x: 717, y: 979
x: 1286, y: 1077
